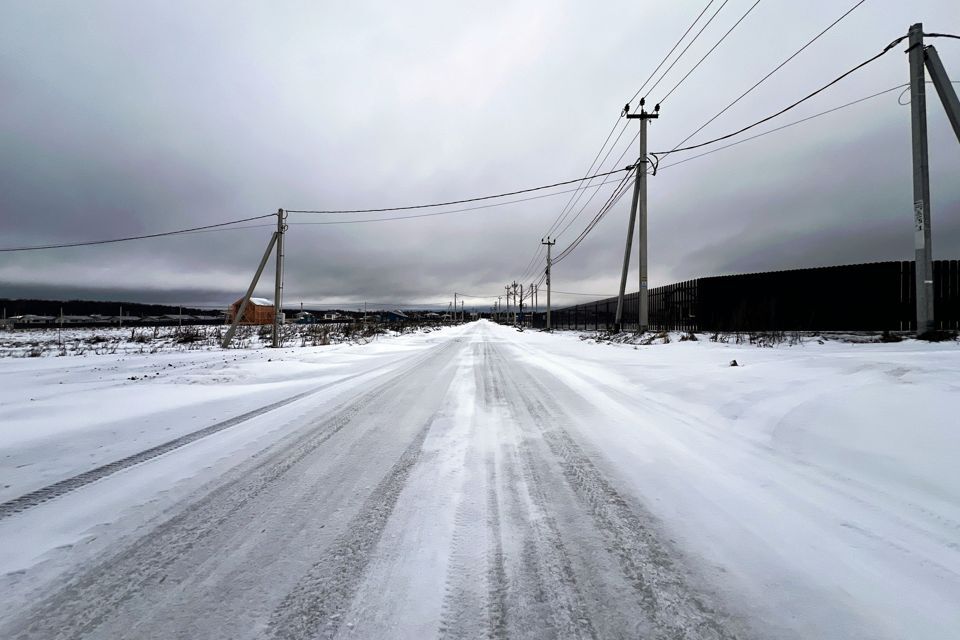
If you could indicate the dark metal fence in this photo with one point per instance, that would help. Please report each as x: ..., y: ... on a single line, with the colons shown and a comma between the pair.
x: 862, y: 297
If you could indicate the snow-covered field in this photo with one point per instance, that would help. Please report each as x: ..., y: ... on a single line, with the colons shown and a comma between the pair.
x: 481, y: 481
x: 80, y: 341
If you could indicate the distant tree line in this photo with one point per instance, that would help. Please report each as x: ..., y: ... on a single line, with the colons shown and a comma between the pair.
x: 19, y: 307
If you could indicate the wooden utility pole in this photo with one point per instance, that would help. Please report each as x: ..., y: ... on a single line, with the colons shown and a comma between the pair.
x: 639, y: 206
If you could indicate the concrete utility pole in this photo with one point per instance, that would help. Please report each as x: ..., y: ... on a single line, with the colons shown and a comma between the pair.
x: 515, y: 300
x: 923, y: 263
x: 639, y: 206
x: 521, y: 304
x: 278, y: 285
x: 454, y: 306
x: 508, y: 302
x: 246, y: 298
x: 549, y: 244
x: 921, y: 57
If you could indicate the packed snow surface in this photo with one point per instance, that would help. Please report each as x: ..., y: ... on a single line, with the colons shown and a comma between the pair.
x: 483, y: 482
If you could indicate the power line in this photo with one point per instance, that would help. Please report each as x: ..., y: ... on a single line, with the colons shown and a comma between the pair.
x: 563, y: 211
x: 572, y: 202
x: 786, y: 126
x: 707, y: 54
x: 689, y: 44
x: 608, y: 205
x: 576, y: 197
x: 464, y: 201
x: 128, y: 238
x: 777, y: 68
x: 669, y: 53
x: 582, y: 209
x: 440, y: 213
x: 789, y: 107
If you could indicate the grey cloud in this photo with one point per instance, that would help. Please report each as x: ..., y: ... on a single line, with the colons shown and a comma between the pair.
x: 123, y: 118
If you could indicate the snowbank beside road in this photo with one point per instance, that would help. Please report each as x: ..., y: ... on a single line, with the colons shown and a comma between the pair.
x: 819, y: 480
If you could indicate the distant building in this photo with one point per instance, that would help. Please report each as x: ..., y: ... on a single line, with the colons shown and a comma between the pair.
x: 258, y: 311
x: 394, y: 316
x: 30, y: 318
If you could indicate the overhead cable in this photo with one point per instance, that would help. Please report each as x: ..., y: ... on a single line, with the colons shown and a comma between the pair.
x: 439, y: 213
x: 129, y: 238
x: 672, y: 64
x: 788, y: 107
x: 463, y: 201
x: 775, y: 69
x: 707, y: 54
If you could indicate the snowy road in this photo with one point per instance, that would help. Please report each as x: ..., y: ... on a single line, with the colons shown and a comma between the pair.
x: 471, y: 486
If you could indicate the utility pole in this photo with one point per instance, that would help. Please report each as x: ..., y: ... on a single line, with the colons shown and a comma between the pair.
x: 278, y: 285
x: 639, y: 205
x: 454, y: 306
x: 508, y: 302
x: 521, y: 304
x: 549, y: 244
x: 246, y: 298
x: 920, y: 57
x: 923, y: 263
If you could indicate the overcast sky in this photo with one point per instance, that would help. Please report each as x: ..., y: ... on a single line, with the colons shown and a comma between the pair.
x: 122, y: 118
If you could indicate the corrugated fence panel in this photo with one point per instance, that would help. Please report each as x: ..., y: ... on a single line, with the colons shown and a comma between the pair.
x: 876, y: 296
